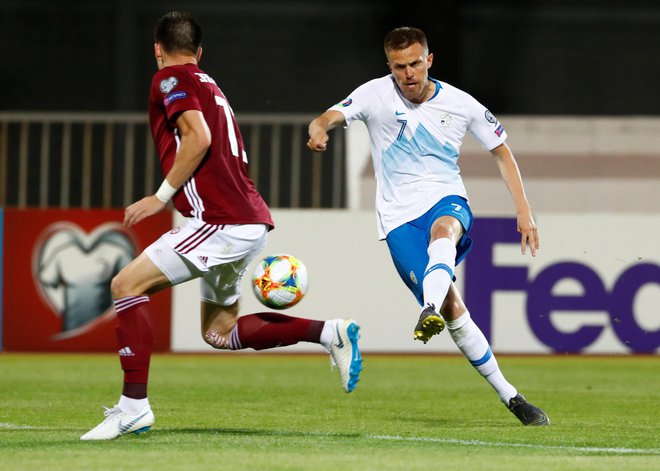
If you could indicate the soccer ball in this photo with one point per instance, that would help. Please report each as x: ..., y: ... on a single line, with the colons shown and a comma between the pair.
x: 280, y: 281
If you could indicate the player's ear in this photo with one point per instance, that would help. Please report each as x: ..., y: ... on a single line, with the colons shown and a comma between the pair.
x: 199, y: 54
x: 158, y: 54
x: 429, y: 60
x: 387, y: 62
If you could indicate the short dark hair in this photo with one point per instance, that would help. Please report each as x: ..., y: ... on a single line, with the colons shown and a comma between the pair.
x: 178, y: 32
x: 404, y: 37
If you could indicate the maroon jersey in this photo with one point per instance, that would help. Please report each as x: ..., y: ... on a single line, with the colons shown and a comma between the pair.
x: 220, y: 190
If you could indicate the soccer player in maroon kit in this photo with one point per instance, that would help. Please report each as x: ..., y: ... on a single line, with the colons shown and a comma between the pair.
x: 204, y: 162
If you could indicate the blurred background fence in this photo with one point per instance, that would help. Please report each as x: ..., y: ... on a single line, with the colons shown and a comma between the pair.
x: 108, y: 160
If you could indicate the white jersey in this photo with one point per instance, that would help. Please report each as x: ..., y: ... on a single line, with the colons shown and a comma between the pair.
x: 415, y: 147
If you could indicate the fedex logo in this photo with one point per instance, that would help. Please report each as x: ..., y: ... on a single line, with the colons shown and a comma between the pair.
x: 483, y: 278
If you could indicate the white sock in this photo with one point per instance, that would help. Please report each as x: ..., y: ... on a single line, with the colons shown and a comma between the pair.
x: 437, y: 277
x: 327, y: 334
x: 132, y: 406
x: 472, y: 342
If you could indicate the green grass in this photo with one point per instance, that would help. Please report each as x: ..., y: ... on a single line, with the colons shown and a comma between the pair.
x: 277, y: 412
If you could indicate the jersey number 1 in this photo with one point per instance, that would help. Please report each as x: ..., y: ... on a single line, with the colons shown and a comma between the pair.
x: 233, y: 142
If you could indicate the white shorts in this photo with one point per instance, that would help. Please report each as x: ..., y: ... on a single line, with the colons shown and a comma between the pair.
x: 218, y: 254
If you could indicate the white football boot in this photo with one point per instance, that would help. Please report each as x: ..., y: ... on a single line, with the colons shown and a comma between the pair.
x: 344, y: 352
x: 118, y: 423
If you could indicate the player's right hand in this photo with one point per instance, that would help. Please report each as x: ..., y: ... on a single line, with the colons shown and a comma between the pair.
x: 319, y: 127
x: 318, y: 142
x: 147, y: 206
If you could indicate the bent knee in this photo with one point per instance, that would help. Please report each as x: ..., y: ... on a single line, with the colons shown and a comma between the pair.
x: 119, y: 286
x: 452, y: 309
x: 447, y: 227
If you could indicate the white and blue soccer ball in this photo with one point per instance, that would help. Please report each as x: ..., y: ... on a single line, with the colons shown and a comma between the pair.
x: 280, y: 281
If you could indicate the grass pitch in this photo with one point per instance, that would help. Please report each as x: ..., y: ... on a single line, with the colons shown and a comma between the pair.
x: 279, y: 412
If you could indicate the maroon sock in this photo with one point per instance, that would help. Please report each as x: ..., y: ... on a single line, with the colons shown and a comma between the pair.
x: 269, y: 330
x: 135, y: 341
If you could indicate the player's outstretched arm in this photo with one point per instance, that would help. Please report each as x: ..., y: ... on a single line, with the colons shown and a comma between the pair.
x: 510, y: 172
x: 319, y: 127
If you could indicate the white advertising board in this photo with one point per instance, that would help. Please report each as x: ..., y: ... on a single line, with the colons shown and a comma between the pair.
x: 594, y: 287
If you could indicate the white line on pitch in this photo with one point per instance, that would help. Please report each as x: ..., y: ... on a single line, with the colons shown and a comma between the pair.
x: 451, y: 441
x: 16, y: 426
x: 455, y: 441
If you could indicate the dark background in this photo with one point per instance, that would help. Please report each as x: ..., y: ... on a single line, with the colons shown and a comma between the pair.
x: 532, y: 57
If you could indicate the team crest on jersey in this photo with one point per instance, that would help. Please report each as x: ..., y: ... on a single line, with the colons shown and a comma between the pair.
x: 445, y: 120
x: 167, y: 85
x: 345, y: 103
x: 489, y: 117
x: 413, y: 278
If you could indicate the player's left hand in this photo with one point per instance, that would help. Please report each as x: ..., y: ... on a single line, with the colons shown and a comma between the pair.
x: 529, y: 233
x: 147, y: 206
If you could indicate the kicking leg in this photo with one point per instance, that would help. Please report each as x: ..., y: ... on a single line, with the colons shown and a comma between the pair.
x: 223, y: 329
x: 438, y: 276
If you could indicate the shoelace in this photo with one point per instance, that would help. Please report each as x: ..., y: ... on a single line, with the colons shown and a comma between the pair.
x: 111, y: 410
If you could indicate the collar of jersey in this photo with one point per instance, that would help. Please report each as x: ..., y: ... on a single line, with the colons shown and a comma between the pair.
x: 437, y: 88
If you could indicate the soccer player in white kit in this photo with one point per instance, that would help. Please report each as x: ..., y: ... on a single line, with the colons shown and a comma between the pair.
x: 204, y: 162
x: 416, y: 125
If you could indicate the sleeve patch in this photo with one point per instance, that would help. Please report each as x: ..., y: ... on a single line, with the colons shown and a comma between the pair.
x: 499, y: 130
x: 345, y: 103
x: 167, y: 85
x: 490, y: 118
x: 173, y: 97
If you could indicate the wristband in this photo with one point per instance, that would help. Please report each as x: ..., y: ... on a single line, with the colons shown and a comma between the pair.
x: 165, y: 192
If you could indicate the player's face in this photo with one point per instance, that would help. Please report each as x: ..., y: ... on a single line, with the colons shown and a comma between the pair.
x: 410, y: 70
